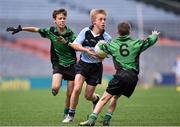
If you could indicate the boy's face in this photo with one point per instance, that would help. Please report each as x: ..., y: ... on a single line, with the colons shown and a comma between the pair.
x: 60, y: 20
x: 100, y: 21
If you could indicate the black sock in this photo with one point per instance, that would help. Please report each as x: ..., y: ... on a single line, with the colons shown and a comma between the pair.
x: 95, y: 102
x: 71, y: 112
x: 54, y: 92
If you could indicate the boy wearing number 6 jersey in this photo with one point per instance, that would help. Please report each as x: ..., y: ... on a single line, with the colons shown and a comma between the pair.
x: 125, y: 52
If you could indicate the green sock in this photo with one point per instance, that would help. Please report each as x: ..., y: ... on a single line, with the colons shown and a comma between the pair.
x: 66, y: 110
x: 93, y: 117
x: 108, y: 116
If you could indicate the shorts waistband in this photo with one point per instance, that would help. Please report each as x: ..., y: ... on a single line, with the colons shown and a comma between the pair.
x: 68, y: 65
x: 90, y: 63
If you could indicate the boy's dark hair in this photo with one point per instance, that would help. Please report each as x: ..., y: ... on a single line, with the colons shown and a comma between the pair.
x: 124, y: 28
x: 56, y: 12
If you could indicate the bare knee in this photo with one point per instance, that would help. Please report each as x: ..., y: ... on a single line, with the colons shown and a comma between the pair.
x: 88, y: 96
x: 76, y: 91
x: 105, y: 99
x: 114, y: 99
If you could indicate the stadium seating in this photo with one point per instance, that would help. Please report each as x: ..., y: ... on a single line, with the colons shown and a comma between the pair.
x: 19, y: 63
x: 38, y: 13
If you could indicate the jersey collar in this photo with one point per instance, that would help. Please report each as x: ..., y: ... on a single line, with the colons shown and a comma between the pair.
x: 125, y: 37
x: 63, y: 33
x: 91, y: 28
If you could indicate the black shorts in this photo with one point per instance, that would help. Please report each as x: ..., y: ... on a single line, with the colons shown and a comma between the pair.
x: 123, y: 83
x: 91, y: 71
x: 67, y: 72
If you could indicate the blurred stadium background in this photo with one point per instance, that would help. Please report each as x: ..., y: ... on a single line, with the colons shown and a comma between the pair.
x: 24, y: 57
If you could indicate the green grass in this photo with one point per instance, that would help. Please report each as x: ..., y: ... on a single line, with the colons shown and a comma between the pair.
x: 153, y: 107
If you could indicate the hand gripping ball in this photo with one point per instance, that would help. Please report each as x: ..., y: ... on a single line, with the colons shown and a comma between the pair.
x: 98, y: 51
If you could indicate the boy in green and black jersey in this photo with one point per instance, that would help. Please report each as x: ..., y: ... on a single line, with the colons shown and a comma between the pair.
x: 125, y: 52
x: 63, y: 57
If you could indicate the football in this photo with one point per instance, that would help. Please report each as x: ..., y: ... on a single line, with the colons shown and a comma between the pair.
x: 100, y: 52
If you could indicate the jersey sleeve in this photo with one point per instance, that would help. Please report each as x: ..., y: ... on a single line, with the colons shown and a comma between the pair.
x: 81, y: 36
x: 107, y: 37
x: 44, y: 32
x: 151, y: 40
x: 106, y: 47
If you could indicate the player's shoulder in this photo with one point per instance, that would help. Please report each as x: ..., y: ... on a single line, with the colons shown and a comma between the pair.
x: 85, y: 29
x: 50, y: 28
x: 45, y: 29
x: 137, y: 41
x: 68, y: 28
x: 107, y: 36
x: 69, y: 31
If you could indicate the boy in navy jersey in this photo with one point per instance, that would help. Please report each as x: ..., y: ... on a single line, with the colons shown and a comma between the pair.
x: 89, y: 69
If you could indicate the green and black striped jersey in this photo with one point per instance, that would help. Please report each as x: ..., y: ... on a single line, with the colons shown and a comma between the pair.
x: 60, y: 53
x: 125, y: 50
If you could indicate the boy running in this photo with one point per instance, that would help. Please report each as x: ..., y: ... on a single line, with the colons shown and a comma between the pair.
x: 63, y: 57
x: 125, y: 52
x: 89, y: 68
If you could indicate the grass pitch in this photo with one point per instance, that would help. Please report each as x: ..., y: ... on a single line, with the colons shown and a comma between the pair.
x: 156, y: 106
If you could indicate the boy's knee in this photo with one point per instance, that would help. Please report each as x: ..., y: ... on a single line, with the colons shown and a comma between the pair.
x: 88, y: 96
x: 105, y: 98
x: 76, y: 91
x: 115, y: 98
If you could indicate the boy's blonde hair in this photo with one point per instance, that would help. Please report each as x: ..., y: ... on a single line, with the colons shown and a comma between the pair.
x: 94, y: 12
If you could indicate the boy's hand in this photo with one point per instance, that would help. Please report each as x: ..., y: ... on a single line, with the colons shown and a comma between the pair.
x: 91, y: 52
x: 155, y: 32
x: 61, y: 40
x: 14, y: 30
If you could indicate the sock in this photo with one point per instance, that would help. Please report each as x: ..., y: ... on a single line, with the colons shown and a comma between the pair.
x: 95, y: 102
x: 108, y: 116
x: 54, y: 92
x: 93, y: 117
x: 72, y: 112
x: 66, y: 110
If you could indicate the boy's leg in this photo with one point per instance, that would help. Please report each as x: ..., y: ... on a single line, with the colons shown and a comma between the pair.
x: 78, y: 83
x: 113, y: 103
x: 70, y: 86
x: 56, y: 83
x: 92, y: 118
x: 90, y: 95
x: 111, y: 109
x: 103, y: 100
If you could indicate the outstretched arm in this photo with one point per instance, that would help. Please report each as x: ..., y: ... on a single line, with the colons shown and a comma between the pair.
x: 152, y: 39
x: 79, y: 47
x: 156, y: 33
x: 30, y: 29
x: 19, y: 28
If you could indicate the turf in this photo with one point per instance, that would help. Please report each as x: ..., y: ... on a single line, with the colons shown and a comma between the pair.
x: 152, y: 107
